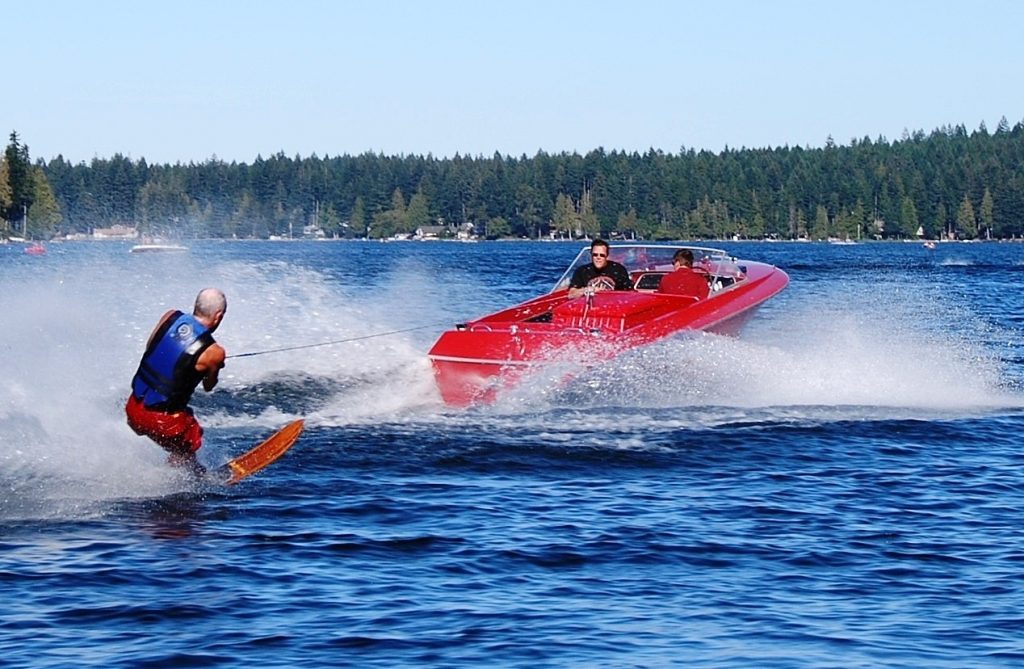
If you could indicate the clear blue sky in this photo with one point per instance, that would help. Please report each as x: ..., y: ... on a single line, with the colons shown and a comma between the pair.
x: 185, y: 80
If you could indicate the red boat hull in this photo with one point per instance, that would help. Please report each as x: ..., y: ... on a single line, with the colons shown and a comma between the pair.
x: 476, y: 361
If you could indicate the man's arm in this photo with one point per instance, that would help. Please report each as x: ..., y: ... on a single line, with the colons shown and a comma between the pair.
x: 578, y: 283
x: 622, y: 280
x: 209, y: 365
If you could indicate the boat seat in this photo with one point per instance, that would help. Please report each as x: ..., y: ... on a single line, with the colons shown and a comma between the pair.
x: 720, y: 282
x: 648, y: 280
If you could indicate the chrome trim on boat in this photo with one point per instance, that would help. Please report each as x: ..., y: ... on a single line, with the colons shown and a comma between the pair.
x: 484, y: 361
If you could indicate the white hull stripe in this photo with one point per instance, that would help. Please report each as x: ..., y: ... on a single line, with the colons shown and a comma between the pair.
x: 480, y: 361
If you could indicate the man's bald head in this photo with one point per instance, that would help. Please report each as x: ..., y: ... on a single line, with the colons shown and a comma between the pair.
x: 210, y: 304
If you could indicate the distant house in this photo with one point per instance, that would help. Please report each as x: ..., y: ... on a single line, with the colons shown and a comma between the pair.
x: 313, y: 232
x: 428, y: 232
x: 117, y: 231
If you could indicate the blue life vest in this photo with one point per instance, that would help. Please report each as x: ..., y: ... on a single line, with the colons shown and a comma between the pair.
x: 167, y: 374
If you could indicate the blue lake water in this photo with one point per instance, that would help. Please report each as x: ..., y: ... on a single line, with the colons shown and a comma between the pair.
x: 840, y: 487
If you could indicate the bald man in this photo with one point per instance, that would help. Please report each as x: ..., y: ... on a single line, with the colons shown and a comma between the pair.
x: 180, y: 353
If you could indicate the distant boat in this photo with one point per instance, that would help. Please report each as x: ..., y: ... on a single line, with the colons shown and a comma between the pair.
x: 158, y: 248
x: 929, y: 245
x: 35, y: 249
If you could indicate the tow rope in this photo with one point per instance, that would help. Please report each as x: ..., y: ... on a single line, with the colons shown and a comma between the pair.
x: 332, y: 342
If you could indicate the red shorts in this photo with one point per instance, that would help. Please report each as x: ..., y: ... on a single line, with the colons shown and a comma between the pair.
x: 178, y: 433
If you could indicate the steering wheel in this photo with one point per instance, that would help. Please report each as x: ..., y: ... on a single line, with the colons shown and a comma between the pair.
x: 601, y: 283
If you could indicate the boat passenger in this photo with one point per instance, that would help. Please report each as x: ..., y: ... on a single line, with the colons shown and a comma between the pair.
x: 684, y: 280
x: 600, y: 273
x: 180, y: 353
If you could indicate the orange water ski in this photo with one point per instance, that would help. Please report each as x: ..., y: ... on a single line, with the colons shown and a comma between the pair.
x: 274, y: 447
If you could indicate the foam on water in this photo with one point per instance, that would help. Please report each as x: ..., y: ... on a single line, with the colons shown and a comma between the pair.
x: 377, y: 364
x: 62, y: 434
x: 867, y: 353
x: 74, y: 345
x: 859, y: 356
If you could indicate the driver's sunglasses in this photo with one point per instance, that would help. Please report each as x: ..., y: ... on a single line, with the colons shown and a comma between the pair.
x: 599, y: 255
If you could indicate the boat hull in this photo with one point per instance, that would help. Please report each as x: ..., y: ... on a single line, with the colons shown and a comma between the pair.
x: 158, y: 248
x: 476, y: 361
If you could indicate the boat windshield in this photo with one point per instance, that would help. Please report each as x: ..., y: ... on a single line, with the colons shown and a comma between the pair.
x: 649, y: 258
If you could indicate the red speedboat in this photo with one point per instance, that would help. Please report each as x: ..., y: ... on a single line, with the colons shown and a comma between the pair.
x: 476, y: 360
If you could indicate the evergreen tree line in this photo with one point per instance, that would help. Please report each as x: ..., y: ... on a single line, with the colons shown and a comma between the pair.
x: 950, y: 182
x: 28, y: 206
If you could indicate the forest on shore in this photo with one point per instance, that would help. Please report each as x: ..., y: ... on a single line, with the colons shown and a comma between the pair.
x: 949, y: 183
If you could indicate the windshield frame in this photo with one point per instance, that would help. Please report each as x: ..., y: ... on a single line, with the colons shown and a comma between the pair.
x: 648, y: 258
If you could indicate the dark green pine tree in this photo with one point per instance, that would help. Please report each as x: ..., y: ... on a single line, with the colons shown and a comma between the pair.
x: 19, y: 180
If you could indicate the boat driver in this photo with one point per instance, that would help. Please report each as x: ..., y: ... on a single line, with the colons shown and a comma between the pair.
x: 600, y: 273
x: 180, y: 353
